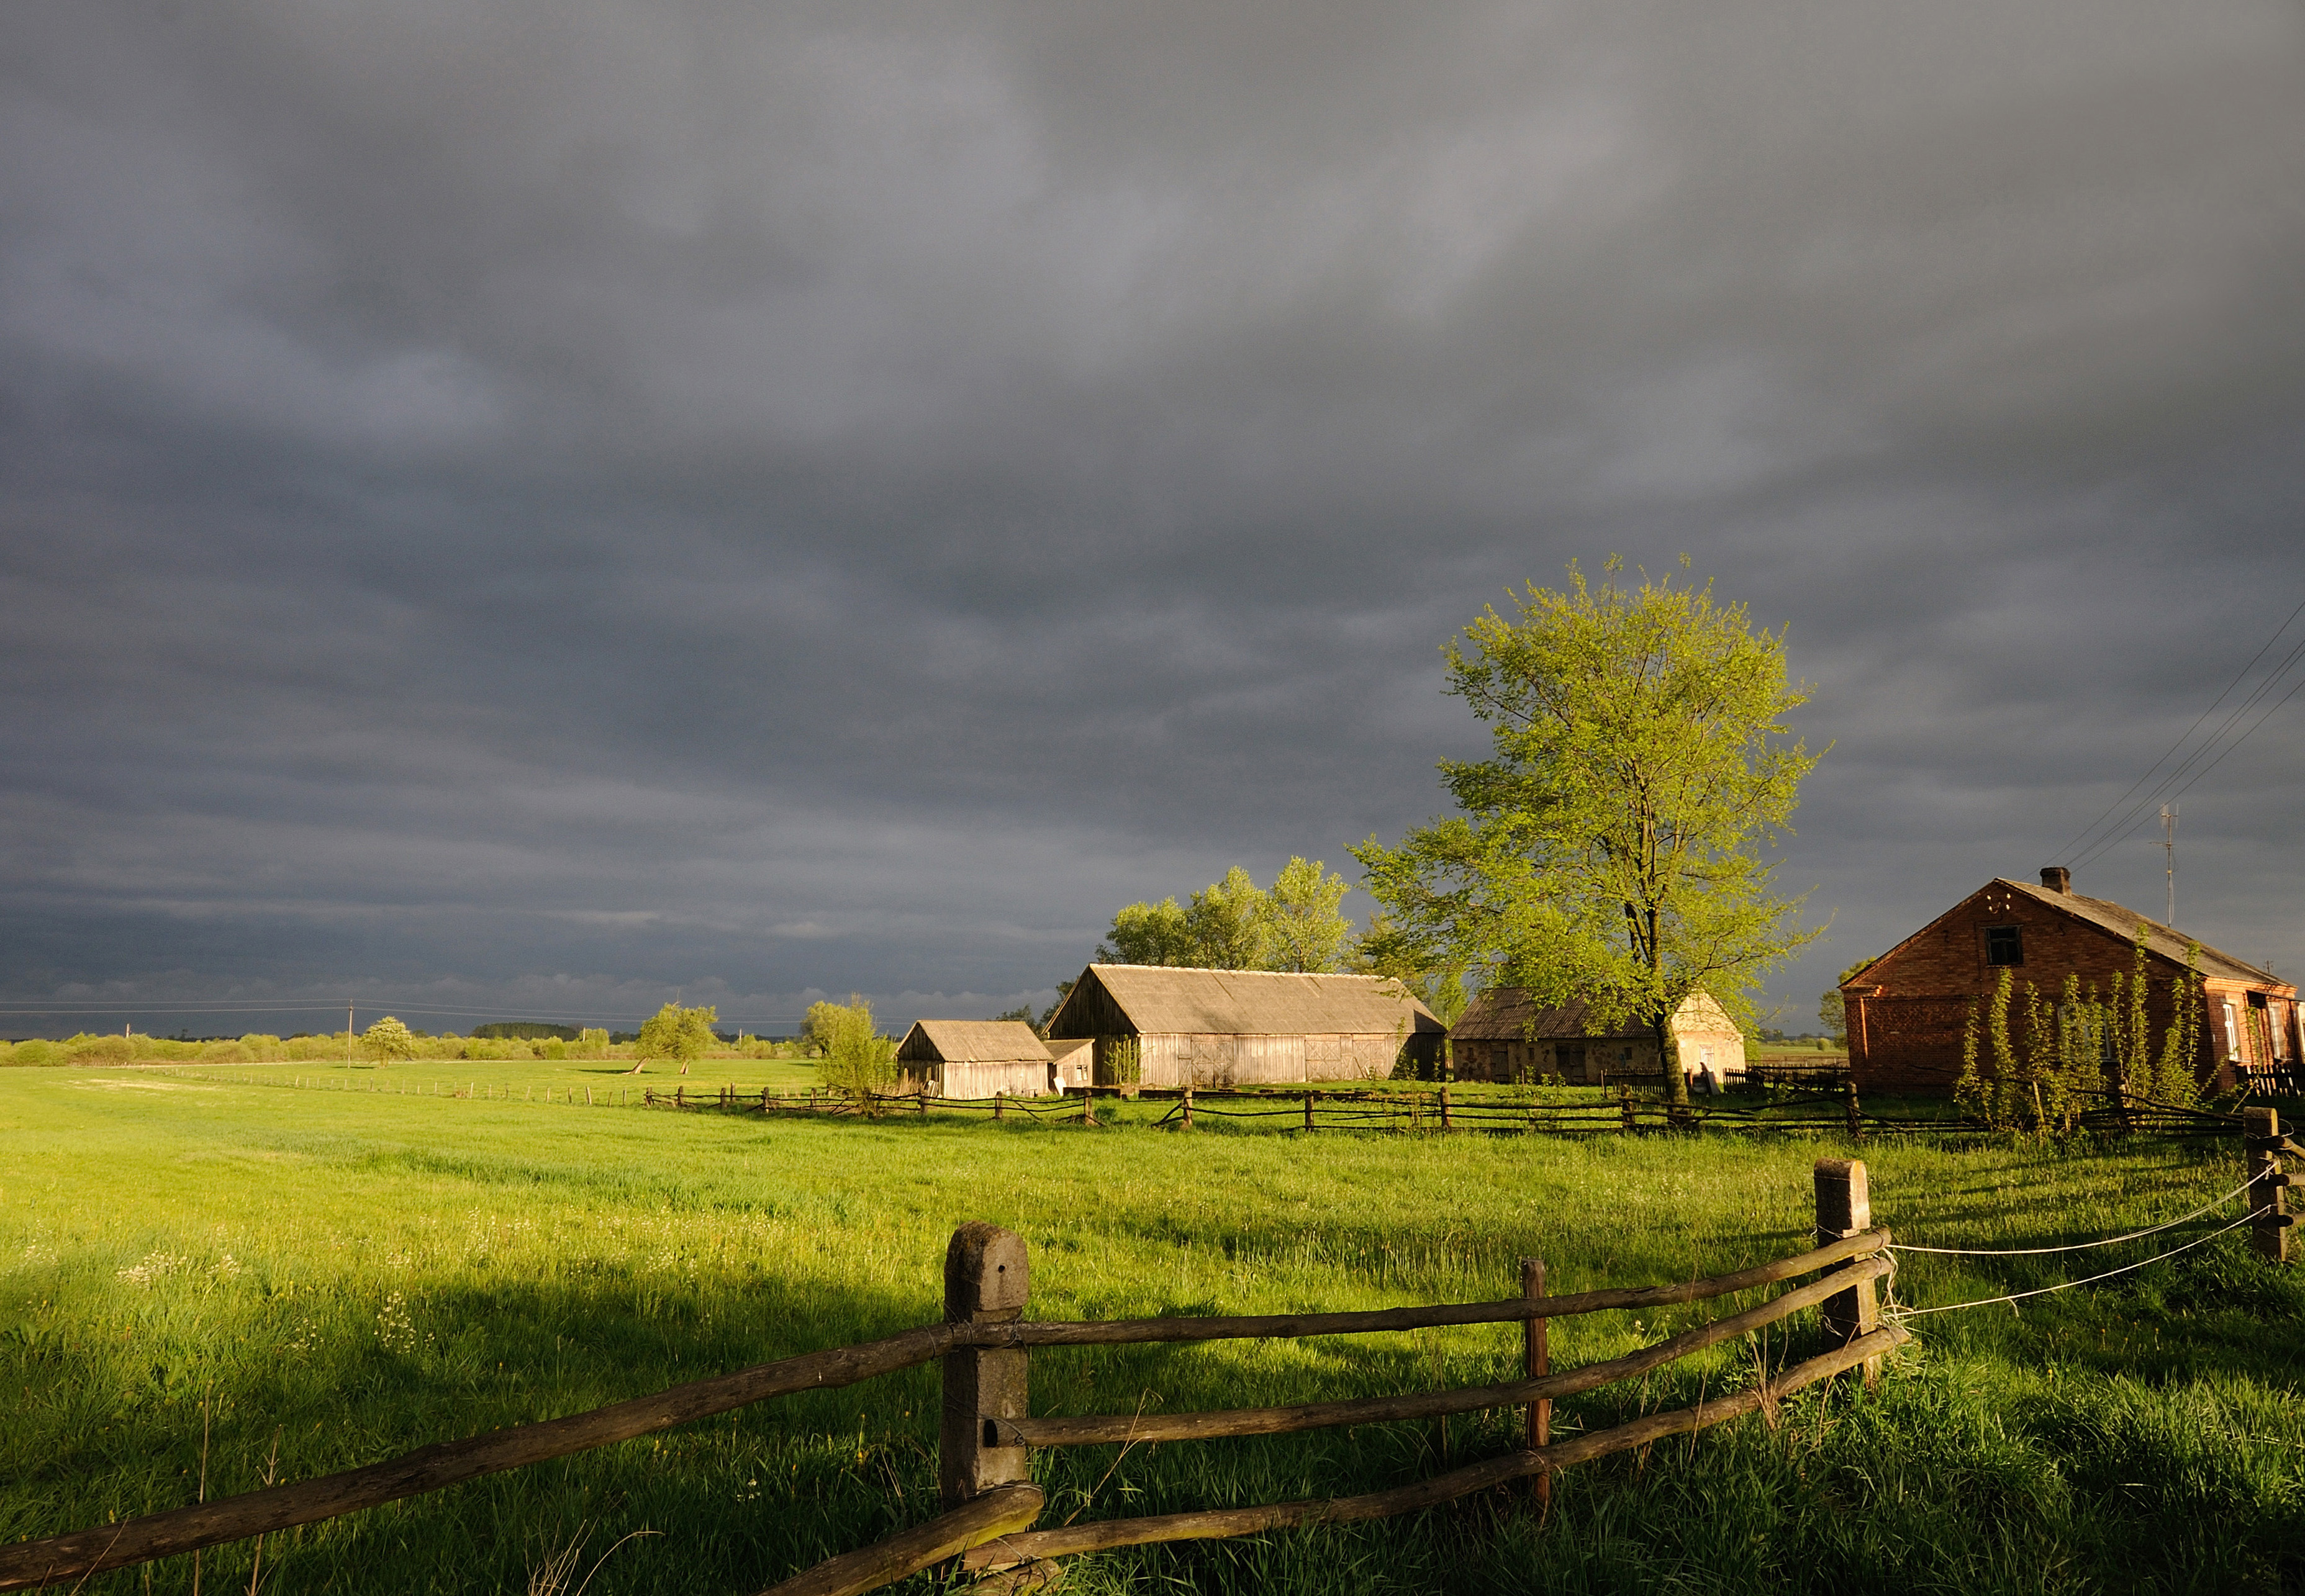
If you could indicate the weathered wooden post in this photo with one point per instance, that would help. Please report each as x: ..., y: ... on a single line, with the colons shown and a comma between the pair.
x: 2269, y: 1223
x: 1536, y: 1361
x: 985, y: 1282
x: 1844, y: 1206
x: 1856, y: 1120
x: 1188, y: 1108
x: 996, y: 1103
x: 1308, y: 1110
x: 1625, y: 1107
x: 1445, y: 1124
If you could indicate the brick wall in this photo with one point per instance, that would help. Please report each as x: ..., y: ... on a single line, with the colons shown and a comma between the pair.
x: 1908, y: 1038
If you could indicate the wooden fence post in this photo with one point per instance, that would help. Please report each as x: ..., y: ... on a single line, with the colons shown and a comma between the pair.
x: 1536, y: 1361
x: 1625, y: 1107
x: 1445, y: 1124
x: 1188, y: 1108
x: 985, y: 1282
x: 1844, y: 1206
x: 1856, y: 1120
x: 1308, y: 1110
x: 2268, y: 1229
x: 996, y: 1103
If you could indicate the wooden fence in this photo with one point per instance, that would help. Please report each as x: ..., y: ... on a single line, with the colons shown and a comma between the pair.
x: 988, y: 1430
x: 1417, y: 1112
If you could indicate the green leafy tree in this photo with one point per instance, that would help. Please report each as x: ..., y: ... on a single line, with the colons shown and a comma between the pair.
x: 1834, y: 1010
x: 1148, y: 933
x: 816, y: 1028
x: 388, y: 1040
x: 1303, y: 930
x: 1386, y: 949
x: 1611, y: 845
x: 675, y: 1033
x: 1226, y: 923
x: 857, y: 1059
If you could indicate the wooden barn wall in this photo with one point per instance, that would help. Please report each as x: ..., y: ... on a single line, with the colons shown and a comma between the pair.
x: 1016, y: 1077
x: 1089, y: 1010
x: 1184, y: 1058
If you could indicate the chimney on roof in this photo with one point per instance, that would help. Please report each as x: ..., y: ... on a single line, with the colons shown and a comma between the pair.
x: 2056, y: 878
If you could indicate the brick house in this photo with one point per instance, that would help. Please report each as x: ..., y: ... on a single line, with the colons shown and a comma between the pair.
x: 1504, y: 1036
x: 1906, y: 1010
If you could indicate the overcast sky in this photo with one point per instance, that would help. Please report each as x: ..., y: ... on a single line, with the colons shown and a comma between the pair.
x: 527, y: 509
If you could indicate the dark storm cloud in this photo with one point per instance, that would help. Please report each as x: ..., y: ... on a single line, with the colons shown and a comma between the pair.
x: 546, y: 506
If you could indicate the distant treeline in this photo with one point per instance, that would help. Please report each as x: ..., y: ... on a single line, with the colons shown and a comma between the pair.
x: 486, y: 1042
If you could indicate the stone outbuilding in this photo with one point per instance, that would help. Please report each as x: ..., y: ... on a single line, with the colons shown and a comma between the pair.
x: 974, y: 1058
x: 1155, y: 1025
x: 1908, y: 1009
x: 1504, y: 1036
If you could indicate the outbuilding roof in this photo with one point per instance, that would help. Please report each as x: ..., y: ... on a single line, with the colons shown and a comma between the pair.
x: 1507, y: 1015
x: 1160, y: 999
x: 976, y: 1041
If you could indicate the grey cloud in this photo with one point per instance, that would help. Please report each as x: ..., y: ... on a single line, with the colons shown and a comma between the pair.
x: 548, y: 502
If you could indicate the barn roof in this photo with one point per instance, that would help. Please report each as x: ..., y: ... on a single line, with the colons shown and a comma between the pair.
x: 1158, y: 999
x: 977, y: 1041
x: 1507, y: 1015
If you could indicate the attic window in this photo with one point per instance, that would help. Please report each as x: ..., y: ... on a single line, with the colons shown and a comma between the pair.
x: 2005, y: 945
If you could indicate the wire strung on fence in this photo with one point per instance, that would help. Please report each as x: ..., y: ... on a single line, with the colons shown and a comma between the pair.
x: 1898, y: 1314
x: 2110, y: 1241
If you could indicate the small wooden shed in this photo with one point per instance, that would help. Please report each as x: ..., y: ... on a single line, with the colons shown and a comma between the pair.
x: 1503, y: 1036
x: 1074, y: 1062
x: 1243, y: 1027
x: 974, y: 1058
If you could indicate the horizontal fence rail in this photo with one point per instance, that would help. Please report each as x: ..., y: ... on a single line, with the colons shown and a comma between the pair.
x: 1122, y: 1429
x: 1012, y: 1550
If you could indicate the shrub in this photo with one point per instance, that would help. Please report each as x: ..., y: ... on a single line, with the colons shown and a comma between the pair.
x: 858, y: 1060
x: 85, y: 1049
x: 1120, y: 1061
x: 388, y: 1041
x: 34, y: 1052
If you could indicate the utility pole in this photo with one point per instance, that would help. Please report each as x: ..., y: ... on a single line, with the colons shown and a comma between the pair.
x: 2169, y: 847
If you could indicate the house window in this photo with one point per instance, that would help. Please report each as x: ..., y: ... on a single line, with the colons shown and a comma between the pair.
x: 2233, y: 1032
x: 2005, y: 945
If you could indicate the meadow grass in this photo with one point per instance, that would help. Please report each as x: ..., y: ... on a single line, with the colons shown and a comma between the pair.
x: 323, y: 1277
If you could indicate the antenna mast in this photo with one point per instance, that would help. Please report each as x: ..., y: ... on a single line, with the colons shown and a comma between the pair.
x: 2169, y: 847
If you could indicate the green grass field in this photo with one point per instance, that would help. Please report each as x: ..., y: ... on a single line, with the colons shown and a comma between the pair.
x: 324, y: 1277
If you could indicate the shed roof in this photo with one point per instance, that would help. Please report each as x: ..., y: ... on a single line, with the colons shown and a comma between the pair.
x: 978, y: 1042
x: 1160, y: 999
x: 1508, y: 1014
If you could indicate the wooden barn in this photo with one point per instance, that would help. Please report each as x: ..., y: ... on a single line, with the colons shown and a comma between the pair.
x: 1503, y: 1036
x: 974, y: 1058
x: 1171, y: 1027
x: 1906, y: 1010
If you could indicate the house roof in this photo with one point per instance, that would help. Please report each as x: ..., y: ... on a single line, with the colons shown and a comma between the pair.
x: 979, y: 1041
x: 1507, y: 1015
x: 2166, y: 941
x: 1160, y: 999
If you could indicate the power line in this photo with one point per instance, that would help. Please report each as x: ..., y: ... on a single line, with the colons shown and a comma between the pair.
x: 2189, y: 730
x: 2139, y: 816
x: 2079, y: 850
